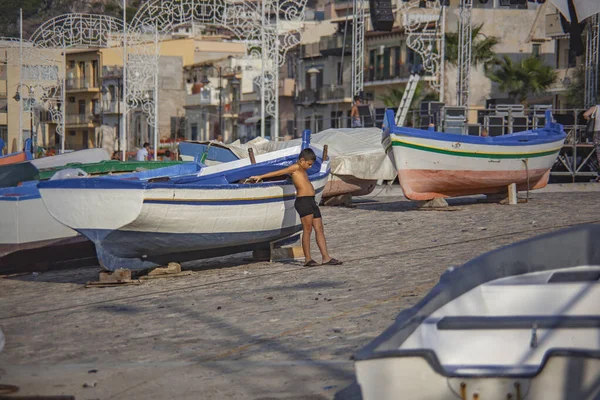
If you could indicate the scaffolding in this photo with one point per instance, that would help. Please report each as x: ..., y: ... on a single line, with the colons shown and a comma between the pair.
x: 465, y: 32
x: 591, y: 61
x: 358, y: 47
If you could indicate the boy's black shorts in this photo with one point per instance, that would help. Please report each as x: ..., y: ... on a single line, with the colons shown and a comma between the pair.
x: 306, y: 205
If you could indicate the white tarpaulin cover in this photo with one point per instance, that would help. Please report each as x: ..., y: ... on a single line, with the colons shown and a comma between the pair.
x: 356, y: 152
x: 584, y: 8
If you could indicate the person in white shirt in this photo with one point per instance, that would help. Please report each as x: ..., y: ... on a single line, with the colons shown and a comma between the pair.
x: 594, y: 112
x: 142, y: 154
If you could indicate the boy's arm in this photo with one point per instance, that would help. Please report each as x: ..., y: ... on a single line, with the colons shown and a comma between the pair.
x: 284, y: 171
x: 589, y: 112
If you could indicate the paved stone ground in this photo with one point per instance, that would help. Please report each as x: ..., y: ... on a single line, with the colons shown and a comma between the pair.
x: 249, y: 330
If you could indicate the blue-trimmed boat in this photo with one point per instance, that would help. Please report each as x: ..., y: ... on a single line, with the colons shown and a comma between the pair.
x: 186, y: 212
x: 436, y: 164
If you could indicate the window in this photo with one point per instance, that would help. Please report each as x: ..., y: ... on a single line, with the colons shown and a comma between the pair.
x: 194, y: 129
x: 386, y: 63
x: 397, y: 61
x: 3, y: 105
x: 336, y: 119
x: 535, y: 49
x: 4, y: 135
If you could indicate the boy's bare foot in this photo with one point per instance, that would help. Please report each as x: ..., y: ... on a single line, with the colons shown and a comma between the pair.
x: 311, y: 263
x: 332, y: 261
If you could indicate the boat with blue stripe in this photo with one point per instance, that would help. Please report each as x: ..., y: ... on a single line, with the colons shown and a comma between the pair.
x: 185, y: 212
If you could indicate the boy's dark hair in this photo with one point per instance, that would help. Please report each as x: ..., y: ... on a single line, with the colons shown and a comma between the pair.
x: 356, y: 98
x: 308, y: 155
x: 146, y: 144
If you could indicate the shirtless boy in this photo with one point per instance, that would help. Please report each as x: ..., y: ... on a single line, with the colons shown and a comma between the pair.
x: 305, y: 204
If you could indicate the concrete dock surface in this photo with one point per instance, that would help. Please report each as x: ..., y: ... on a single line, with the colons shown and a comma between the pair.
x: 239, y: 329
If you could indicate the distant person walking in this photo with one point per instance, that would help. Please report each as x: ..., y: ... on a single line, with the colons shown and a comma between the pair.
x: 593, y: 115
x: 142, y: 154
x: 2, y: 146
x: 354, y: 114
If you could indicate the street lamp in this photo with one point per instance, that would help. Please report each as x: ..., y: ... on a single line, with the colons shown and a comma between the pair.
x: 17, y: 98
x: 205, y: 81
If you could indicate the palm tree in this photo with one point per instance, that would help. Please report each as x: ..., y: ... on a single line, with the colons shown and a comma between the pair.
x: 530, y: 76
x: 482, y: 48
x: 394, y: 96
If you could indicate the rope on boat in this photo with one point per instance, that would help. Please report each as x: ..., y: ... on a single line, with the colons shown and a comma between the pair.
x: 526, y: 161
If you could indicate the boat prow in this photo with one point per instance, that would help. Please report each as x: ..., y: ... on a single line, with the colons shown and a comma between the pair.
x: 521, y: 322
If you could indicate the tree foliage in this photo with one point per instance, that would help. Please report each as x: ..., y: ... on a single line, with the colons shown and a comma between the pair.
x: 521, y: 79
x: 394, y: 95
x: 482, y: 48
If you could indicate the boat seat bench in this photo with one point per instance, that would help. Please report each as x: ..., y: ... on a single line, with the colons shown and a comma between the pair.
x: 518, y: 322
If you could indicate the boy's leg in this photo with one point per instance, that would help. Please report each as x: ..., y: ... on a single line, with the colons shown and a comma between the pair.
x: 307, y: 225
x: 320, y: 237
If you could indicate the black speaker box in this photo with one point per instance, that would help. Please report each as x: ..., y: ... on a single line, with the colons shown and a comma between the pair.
x: 382, y: 16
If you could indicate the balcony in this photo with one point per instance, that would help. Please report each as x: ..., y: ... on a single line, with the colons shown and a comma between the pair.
x: 82, y: 120
x: 332, y: 45
x: 334, y: 94
x: 82, y: 84
x: 400, y: 73
x: 112, y: 107
x: 310, y: 50
x: 207, y: 97
x: 308, y: 96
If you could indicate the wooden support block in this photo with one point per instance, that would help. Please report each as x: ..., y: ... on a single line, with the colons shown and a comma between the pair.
x: 438, y: 202
x: 261, y: 255
x: 251, y: 155
x: 287, y: 253
x: 118, y: 276
x: 512, y: 193
x: 172, y: 268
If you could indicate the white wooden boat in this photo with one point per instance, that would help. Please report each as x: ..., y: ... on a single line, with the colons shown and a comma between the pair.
x: 142, y: 220
x: 521, y: 322
x: 435, y: 164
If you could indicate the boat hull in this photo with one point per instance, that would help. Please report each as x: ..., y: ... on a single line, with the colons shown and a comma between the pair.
x: 176, y: 225
x: 348, y: 185
x: 13, y: 158
x: 429, y: 168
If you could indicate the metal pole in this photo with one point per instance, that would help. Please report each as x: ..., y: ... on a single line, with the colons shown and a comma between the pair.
x: 123, y: 139
x: 64, y: 104
x: 220, y: 102
x: 119, y: 113
x: 156, y: 94
x: 262, y: 68
x: 276, y: 70
x: 20, y: 80
x: 443, y: 55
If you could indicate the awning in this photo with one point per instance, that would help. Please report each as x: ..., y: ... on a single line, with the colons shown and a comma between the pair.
x: 583, y: 8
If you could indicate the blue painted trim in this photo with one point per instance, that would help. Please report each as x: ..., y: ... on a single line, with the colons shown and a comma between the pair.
x: 28, y: 191
x: 305, y: 139
x: 550, y: 133
x: 215, y: 153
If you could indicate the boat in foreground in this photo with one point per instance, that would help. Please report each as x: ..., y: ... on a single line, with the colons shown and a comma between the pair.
x: 521, y: 322
x: 148, y: 219
x: 435, y: 164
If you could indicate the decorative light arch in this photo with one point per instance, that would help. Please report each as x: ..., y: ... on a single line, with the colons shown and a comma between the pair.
x: 61, y: 33
x: 425, y: 28
x: 268, y: 28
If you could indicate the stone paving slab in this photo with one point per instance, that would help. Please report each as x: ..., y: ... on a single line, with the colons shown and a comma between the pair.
x: 253, y: 330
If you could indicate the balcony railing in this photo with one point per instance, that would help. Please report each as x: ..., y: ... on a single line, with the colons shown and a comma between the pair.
x: 381, y: 74
x: 333, y: 44
x: 79, y: 119
x: 308, y: 96
x: 206, y: 97
x: 310, y: 50
x: 334, y: 92
x: 80, y: 83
